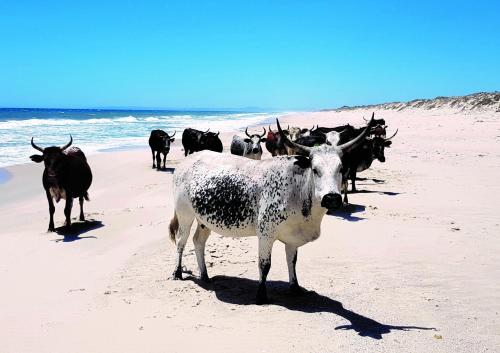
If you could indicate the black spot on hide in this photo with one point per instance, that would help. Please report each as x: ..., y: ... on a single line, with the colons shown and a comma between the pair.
x: 302, y: 162
x: 227, y: 201
x: 306, y: 206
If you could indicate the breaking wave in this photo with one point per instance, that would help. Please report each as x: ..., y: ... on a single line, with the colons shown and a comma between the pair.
x: 97, y: 130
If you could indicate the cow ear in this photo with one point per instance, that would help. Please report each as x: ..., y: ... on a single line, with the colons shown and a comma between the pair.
x: 387, y: 143
x: 303, y: 162
x: 37, y: 158
x: 263, y: 140
x: 303, y: 131
x: 247, y: 140
x: 172, y: 139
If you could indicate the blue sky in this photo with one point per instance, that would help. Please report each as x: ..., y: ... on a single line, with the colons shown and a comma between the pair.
x: 236, y: 54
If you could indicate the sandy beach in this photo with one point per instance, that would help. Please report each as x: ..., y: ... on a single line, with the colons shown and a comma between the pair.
x: 411, y: 265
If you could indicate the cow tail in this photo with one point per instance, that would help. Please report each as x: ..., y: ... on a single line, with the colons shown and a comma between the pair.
x: 173, y: 227
x: 86, y: 196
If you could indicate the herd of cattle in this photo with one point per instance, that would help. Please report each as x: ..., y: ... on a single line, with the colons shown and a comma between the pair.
x: 358, y: 160
x: 281, y: 198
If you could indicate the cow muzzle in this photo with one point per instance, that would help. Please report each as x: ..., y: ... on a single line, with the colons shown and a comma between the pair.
x: 255, y: 151
x: 381, y: 159
x: 331, y: 200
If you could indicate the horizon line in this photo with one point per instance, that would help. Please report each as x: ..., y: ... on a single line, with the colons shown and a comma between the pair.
x: 243, y: 109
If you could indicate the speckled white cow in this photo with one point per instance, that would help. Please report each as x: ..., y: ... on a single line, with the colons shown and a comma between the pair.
x: 283, y: 198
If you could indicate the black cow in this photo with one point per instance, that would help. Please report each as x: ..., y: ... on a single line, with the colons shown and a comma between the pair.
x: 376, y: 122
x: 67, y: 175
x: 159, y: 141
x: 324, y: 130
x: 195, y: 140
x: 361, y: 157
x: 311, y: 140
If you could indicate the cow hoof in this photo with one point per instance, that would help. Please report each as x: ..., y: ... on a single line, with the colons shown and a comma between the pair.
x: 177, y: 275
x: 82, y: 219
x: 204, y: 278
x: 153, y: 166
x: 51, y: 230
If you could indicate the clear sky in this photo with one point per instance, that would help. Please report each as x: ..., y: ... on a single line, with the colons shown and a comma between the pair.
x: 236, y: 54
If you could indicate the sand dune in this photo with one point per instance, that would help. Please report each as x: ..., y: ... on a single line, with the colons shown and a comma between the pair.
x: 410, y: 266
x: 476, y: 102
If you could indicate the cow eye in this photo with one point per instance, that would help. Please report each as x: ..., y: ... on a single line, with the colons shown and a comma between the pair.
x: 315, y: 171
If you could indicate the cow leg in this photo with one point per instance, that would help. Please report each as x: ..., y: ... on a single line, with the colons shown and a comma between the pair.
x: 265, y: 249
x: 164, y: 160
x: 353, y: 180
x: 52, y: 209
x: 181, y: 238
x: 186, y: 152
x: 345, y: 185
x: 67, y: 210
x: 200, y: 238
x: 158, y: 160
x: 291, y: 260
x: 82, y: 216
x: 153, y: 153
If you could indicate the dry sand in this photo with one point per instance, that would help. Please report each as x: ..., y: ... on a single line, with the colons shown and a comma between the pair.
x: 411, y: 266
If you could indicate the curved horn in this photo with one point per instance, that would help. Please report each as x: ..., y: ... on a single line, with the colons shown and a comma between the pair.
x: 387, y: 139
x: 175, y: 131
x: 68, y: 144
x: 270, y: 129
x: 261, y: 136
x: 366, y: 121
x: 218, y: 132
x: 246, y: 132
x: 346, y: 147
x: 304, y: 149
x: 207, y: 131
x: 35, y: 146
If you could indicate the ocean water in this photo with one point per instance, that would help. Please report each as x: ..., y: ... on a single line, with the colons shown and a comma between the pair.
x: 96, y: 130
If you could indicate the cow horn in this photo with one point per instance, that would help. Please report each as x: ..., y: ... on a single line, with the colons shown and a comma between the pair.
x: 218, y: 132
x: 68, y: 144
x: 35, y: 146
x: 246, y: 132
x: 207, y: 131
x: 387, y: 139
x: 366, y: 121
x: 270, y: 129
x: 304, y: 149
x: 346, y: 147
x: 175, y: 131
x: 261, y: 136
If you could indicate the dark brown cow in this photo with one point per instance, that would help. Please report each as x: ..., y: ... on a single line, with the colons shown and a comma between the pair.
x: 67, y: 175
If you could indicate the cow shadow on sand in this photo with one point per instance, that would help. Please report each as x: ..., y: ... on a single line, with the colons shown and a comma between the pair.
x: 377, y: 181
x: 347, y: 212
x: 76, y: 229
x: 389, y: 193
x: 166, y: 170
x: 241, y: 291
